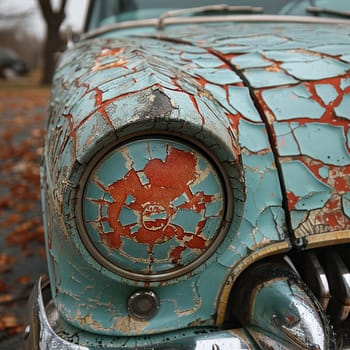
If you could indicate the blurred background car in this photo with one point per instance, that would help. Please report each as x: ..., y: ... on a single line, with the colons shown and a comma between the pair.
x: 11, y: 64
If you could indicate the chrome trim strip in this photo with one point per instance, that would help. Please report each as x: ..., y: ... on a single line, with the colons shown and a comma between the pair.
x: 339, y: 279
x: 316, y: 278
x: 153, y: 22
x: 39, y: 334
x: 194, y: 10
x: 327, y: 239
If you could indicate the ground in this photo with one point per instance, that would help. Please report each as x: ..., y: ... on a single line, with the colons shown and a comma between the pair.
x: 23, y: 107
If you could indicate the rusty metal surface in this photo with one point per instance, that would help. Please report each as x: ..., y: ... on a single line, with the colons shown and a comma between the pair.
x: 43, y: 333
x: 244, y: 103
x: 300, y: 80
x: 131, y: 211
x: 94, y: 111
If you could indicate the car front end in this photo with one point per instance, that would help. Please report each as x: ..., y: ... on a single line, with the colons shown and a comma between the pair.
x: 195, y: 177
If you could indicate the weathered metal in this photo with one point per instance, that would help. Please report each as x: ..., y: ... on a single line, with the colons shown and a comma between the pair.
x: 177, y: 158
x: 45, y: 333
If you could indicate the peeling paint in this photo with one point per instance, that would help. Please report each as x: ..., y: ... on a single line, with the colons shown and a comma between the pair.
x: 258, y: 105
x: 164, y: 223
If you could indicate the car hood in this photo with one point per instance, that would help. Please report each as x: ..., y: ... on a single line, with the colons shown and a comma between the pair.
x: 298, y: 75
x: 283, y: 89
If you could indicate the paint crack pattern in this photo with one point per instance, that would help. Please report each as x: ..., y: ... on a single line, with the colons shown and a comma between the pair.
x: 143, y: 220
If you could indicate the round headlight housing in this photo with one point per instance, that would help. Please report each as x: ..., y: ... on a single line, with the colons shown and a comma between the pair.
x: 152, y: 209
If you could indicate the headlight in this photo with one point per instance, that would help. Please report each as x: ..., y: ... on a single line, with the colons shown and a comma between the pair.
x: 152, y: 209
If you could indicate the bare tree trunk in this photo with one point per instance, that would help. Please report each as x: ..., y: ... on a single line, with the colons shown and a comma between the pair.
x: 53, y: 44
x: 53, y: 40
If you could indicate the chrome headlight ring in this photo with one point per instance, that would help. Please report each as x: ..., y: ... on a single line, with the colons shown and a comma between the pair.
x: 153, y: 207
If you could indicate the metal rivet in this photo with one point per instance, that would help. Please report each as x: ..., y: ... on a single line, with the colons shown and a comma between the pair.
x: 143, y: 304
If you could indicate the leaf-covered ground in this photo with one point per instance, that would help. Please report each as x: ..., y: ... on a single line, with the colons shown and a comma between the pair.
x: 22, y: 252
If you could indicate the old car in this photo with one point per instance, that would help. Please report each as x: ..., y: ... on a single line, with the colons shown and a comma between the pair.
x: 196, y: 179
x: 11, y: 64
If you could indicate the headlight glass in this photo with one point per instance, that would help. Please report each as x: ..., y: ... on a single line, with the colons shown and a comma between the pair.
x: 152, y: 209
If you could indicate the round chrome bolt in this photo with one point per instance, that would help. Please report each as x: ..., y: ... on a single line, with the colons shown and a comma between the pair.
x: 143, y: 305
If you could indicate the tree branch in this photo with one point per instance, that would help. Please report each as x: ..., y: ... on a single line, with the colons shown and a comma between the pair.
x: 63, y: 6
x: 46, y: 8
x: 54, y: 18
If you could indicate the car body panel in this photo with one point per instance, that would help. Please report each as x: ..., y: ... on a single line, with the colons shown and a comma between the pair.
x: 300, y: 79
x: 254, y: 97
x: 198, y: 107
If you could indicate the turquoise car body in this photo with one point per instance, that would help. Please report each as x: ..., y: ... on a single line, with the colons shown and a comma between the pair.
x: 180, y: 156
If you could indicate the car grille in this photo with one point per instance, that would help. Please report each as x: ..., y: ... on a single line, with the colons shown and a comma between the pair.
x: 327, y: 273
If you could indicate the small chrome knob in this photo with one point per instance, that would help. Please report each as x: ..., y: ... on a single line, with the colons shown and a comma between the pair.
x: 143, y: 305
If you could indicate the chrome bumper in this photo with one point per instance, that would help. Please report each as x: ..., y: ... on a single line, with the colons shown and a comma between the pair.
x: 39, y: 333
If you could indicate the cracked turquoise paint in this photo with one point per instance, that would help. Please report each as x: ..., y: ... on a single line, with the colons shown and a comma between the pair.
x: 312, y: 193
x: 151, y: 210
x: 262, y: 194
x: 222, y: 76
x: 88, y: 134
x: 106, y: 227
x: 345, y: 83
x: 315, y: 70
x: 204, y: 61
x: 297, y: 218
x: 187, y: 219
x: 209, y: 185
x: 346, y: 58
x: 109, y: 172
x: 104, y: 210
x: 240, y: 99
x: 211, y: 222
x: 311, y: 134
x: 286, y: 141
x: 299, y: 139
x: 257, y: 42
x: 292, y: 103
x: 261, y: 78
x: 343, y: 110
x: 327, y: 92
x: 127, y: 217
x: 308, y: 103
x: 290, y: 56
x: 220, y: 94
x: 324, y: 172
x: 182, y: 89
x: 259, y: 141
x: 263, y: 189
x: 332, y: 49
x: 270, y: 214
x: 250, y: 60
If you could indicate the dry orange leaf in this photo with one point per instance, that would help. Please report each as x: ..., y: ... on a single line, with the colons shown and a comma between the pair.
x: 24, y: 279
x: 6, y: 262
x: 8, y: 321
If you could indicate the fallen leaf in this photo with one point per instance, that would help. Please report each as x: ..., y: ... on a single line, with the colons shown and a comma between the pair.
x: 6, y: 262
x: 24, y: 279
x: 8, y: 321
